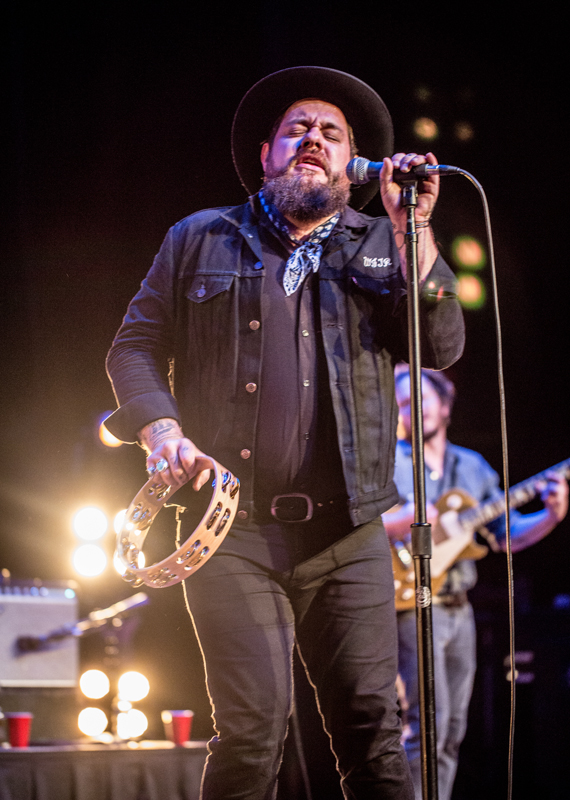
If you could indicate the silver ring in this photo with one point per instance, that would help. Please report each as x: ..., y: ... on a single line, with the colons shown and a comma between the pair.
x: 161, y: 465
x: 150, y: 470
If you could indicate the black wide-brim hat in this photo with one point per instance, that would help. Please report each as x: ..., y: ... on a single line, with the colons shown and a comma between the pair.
x: 363, y: 109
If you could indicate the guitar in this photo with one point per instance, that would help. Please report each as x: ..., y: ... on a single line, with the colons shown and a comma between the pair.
x: 453, y: 536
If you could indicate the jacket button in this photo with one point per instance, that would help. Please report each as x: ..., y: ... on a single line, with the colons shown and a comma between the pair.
x: 255, y: 324
x: 242, y: 514
x: 245, y: 454
x: 251, y: 387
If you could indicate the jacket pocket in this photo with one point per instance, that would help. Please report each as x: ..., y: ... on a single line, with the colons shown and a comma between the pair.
x: 206, y: 286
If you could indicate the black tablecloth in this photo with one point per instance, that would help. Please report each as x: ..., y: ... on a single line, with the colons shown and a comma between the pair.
x: 147, y: 771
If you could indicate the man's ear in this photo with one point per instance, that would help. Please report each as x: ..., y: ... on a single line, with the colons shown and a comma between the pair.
x: 264, y: 154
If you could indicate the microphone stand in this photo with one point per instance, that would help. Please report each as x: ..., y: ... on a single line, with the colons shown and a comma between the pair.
x: 93, y: 622
x: 420, y: 528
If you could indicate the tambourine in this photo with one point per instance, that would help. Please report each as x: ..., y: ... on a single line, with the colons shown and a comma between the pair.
x: 196, y: 550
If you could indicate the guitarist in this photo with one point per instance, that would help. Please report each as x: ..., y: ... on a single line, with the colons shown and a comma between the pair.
x: 449, y: 466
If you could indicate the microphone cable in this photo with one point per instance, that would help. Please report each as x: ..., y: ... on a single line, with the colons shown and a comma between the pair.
x: 506, y: 482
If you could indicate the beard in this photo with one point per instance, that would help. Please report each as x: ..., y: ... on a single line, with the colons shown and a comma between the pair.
x: 303, y: 198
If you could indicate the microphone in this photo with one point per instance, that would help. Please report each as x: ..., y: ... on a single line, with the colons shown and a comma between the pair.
x: 361, y: 170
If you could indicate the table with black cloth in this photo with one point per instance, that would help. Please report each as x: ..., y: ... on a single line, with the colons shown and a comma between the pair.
x: 142, y: 771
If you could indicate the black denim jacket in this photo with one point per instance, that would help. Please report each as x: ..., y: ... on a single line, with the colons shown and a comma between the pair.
x: 194, y: 332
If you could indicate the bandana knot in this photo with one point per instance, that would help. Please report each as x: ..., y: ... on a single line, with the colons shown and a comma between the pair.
x: 306, y: 257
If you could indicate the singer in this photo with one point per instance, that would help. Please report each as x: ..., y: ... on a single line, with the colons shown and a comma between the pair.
x: 266, y: 335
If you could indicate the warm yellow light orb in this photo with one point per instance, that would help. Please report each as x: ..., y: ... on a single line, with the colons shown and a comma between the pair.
x: 426, y: 129
x: 121, y: 568
x: 94, y: 684
x: 464, y: 131
x: 470, y: 291
x: 119, y: 519
x: 90, y: 524
x: 92, y: 721
x: 132, y: 724
x: 133, y: 686
x: 468, y: 252
x: 89, y: 560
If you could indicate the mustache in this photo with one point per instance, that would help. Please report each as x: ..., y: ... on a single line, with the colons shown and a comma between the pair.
x: 312, y: 158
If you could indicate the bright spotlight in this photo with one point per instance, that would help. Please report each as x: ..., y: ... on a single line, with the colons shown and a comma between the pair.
x: 118, y: 519
x: 132, y: 724
x: 92, y: 721
x: 90, y: 524
x: 118, y: 564
x: 94, y: 684
x: 133, y: 686
x: 426, y: 129
x: 120, y: 567
x: 468, y: 252
x: 470, y: 291
x: 89, y: 560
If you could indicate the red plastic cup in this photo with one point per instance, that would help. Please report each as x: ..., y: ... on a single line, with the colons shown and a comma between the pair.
x: 19, y: 726
x: 177, y: 725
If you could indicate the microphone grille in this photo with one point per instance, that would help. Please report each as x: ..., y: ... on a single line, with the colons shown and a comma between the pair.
x: 357, y: 170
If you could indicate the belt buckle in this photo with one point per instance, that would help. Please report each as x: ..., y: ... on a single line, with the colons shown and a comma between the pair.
x: 292, y: 507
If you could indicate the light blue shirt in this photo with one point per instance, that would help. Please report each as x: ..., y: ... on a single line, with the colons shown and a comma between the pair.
x: 463, y: 469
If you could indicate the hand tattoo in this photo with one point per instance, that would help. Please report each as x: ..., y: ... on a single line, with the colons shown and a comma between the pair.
x: 161, y: 430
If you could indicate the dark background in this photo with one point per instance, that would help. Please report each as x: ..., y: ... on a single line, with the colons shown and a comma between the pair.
x: 115, y: 125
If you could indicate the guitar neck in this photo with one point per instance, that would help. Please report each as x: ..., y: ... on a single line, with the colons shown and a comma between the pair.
x: 518, y: 495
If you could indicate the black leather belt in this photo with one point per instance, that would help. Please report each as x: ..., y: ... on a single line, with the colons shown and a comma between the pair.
x: 299, y: 507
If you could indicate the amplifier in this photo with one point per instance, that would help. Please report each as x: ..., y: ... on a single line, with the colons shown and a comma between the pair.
x: 37, y: 648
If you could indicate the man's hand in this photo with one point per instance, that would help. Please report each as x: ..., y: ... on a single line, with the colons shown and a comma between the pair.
x: 398, y: 520
x: 428, y: 188
x: 167, y: 447
x: 428, y: 191
x: 531, y: 528
x: 554, y: 495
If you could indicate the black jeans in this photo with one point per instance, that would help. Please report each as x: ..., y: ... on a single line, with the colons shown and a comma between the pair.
x: 338, y: 604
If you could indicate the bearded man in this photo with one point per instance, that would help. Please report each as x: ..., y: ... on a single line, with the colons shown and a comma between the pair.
x: 284, y: 318
x: 450, y: 467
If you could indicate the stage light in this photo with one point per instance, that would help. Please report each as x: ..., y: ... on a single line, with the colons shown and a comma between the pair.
x: 118, y: 520
x: 470, y: 291
x: 90, y: 524
x: 426, y: 129
x: 89, y: 560
x: 121, y: 568
x: 464, y: 131
x: 423, y: 93
x: 118, y: 564
x: 94, y: 684
x: 131, y: 724
x: 105, y: 435
x: 468, y: 252
x: 92, y: 721
x: 133, y: 686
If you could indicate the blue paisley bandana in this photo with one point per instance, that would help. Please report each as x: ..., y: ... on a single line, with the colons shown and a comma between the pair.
x: 307, y: 256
